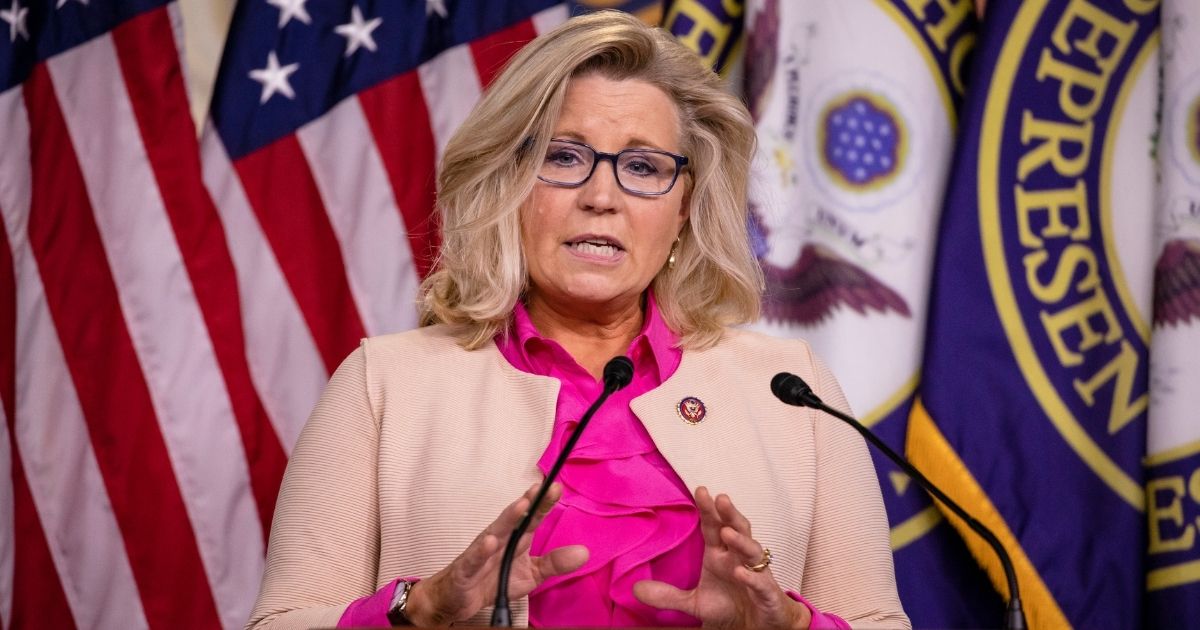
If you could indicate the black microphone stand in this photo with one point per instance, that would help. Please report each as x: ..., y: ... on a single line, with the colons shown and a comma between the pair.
x: 618, y: 372
x: 792, y: 390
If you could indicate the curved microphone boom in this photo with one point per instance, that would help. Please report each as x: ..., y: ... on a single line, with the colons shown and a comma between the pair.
x: 618, y: 373
x: 792, y: 390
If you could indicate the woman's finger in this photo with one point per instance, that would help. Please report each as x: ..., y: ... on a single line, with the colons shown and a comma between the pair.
x: 664, y: 596
x: 511, y: 516
x: 730, y: 514
x: 475, y: 557
x: 508, y: 518
x: 762, y: 587
x: 525, y: 543
x: 750, y: 550
x: 493, y: 538
x: 548, y: 502
x: 710, y: 520
x: 559, y: 561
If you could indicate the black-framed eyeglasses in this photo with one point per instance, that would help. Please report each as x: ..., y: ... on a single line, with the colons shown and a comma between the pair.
x: 638, y: 171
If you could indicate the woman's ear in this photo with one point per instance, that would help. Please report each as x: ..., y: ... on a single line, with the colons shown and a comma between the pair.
x: 685, y: 207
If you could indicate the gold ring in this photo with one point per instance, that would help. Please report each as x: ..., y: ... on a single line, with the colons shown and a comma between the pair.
x: 762, y: 564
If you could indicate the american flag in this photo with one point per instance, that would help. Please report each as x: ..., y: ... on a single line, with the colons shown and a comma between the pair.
x: 170, y: 310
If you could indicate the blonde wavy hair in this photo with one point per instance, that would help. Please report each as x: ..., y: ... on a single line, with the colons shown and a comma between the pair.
x: 490, y: 164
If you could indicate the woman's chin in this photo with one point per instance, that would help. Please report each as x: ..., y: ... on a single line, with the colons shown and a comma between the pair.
x: 599, y: 295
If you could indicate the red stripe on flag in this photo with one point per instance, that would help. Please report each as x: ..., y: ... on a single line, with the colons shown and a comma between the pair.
x: 38, y: 596
x: 129, y: 446
x: 399, y: 120
x: 494, y: 50
x: 145, y: 47
x: 280, y: 186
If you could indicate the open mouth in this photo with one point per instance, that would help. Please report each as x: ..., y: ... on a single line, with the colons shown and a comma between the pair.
x: 596, y: 246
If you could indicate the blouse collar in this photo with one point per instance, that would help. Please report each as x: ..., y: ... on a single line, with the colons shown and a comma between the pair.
x: 526, y: 348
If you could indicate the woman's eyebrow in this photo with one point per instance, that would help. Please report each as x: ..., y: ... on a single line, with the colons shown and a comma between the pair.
x: 636, y: 142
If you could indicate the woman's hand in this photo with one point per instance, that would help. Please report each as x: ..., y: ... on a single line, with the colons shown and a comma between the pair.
x: 469, y: 583
x: 729, y: 594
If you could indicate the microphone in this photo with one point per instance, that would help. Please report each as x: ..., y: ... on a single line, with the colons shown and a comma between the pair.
x: 792, y: 390
x: 618, y: 373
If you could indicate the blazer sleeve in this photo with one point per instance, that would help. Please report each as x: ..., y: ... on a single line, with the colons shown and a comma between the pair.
x: 849, y: 570
x: 324, y: 546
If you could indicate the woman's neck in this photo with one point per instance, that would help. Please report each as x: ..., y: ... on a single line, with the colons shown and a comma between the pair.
x: 591, y: 336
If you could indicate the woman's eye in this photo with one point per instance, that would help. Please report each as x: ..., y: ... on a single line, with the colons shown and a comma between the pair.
x: 639, y: 166
x: 562, y: 157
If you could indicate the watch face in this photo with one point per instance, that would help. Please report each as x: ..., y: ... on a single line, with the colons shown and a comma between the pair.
x: 395, y: 613
x: 400, y: 597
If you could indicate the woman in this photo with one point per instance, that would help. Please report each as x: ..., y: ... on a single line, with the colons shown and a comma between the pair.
x: 594, y: 205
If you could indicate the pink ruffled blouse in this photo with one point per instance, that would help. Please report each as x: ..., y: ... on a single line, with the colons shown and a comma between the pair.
x: 620, y: 497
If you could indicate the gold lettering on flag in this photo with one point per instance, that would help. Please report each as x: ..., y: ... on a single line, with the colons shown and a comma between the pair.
x: 1079, y: 316
x: 705, y: 23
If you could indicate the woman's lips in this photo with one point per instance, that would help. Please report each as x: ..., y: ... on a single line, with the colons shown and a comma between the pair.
x: 596, y: 247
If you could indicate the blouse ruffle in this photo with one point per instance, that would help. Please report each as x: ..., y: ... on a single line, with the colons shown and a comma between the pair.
x: 621, y: 499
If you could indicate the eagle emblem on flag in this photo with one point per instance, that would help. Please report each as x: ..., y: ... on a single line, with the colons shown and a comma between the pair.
x: 1177, y: 283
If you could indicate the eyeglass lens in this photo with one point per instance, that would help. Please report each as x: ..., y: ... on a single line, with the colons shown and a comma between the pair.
x: 638, y: 171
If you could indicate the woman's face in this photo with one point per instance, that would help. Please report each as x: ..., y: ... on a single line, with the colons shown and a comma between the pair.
x: 596, y: 245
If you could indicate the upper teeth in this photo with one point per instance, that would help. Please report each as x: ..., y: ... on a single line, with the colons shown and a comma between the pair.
x: 590, y: 247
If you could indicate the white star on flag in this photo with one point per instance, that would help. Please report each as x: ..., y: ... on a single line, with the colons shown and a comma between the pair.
x: 16, y: 21
x: 289, y: 9
x: 274, y: 78
x: 63, y: 2
x: 435, y: 6
x: 358, y: 32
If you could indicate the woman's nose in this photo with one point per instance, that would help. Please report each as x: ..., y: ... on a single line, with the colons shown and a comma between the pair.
x: 601, y: 192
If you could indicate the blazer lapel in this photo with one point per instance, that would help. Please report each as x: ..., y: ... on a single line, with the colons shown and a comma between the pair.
x: 721, y: 451
x: 737, y: 450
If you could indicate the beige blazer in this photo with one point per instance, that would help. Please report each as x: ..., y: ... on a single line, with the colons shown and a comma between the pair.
x: 416, y: 445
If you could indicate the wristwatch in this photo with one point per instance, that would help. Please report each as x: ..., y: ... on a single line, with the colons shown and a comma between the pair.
x: 395, y: 614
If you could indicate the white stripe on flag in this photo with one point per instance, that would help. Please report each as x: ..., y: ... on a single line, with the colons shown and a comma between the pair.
x: 547, y: 20
x: 8, y: 524
x: 362, y: 209
x: 164, y: 321
x: 285, y: 366
x: 51, y: 433
x: 451, y: 86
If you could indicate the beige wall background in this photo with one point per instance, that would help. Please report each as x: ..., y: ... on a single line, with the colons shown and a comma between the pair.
x: 205, y: 23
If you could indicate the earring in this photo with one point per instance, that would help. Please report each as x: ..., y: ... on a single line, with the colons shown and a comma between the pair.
x: 671, y: 258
